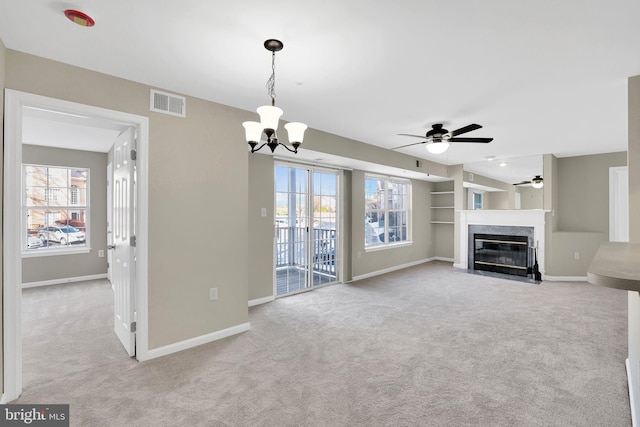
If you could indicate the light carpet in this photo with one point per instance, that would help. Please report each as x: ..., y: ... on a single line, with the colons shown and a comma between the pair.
x: 424, y: 346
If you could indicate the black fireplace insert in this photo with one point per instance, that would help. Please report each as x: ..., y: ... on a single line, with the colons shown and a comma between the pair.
x: 501, y: 254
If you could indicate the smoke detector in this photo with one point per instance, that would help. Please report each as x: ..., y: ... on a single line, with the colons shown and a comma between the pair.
x: 79, y: 18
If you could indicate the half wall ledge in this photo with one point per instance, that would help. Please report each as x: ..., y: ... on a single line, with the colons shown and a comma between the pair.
x: 616, y: 265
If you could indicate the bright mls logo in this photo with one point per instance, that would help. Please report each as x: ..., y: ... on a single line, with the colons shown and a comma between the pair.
x: 34, y: 415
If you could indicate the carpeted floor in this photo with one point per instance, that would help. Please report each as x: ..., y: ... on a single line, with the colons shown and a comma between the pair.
x: 424, y: 346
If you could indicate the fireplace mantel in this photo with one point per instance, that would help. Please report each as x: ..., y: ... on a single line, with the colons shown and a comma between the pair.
x: 523, y: 218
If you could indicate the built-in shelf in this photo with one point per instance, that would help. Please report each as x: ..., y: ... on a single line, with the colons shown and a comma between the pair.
x: 444, y: 201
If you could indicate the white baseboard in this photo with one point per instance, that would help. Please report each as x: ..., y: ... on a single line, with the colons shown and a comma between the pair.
x: 390, y: 269
x: 64, y: 280
x: 194, y: 342
x: 259, y: 301
x: 632, y: 386
x: 564, y: 278
x: 441, y: 258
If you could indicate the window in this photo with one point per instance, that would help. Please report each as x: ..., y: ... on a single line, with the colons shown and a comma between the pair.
x: 476, y: 199
x: 55, y: 208
x: 387, y: 211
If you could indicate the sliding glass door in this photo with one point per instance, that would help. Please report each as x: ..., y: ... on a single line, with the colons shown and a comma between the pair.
x: 306, y: 238
x: 325, y: 221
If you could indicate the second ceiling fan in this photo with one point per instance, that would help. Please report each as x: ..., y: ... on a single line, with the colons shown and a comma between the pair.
x: 438, y: 138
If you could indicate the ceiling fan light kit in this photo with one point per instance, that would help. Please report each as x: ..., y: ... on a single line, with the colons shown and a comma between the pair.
x: 270, y: 115
x: 438, y: 139
x: 536, y: 182
x: 438, y: 147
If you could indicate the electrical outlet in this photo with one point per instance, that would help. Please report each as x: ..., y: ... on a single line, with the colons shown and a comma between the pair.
x: 576, y: 255
x: 100, y: 253
x: 213, y: 294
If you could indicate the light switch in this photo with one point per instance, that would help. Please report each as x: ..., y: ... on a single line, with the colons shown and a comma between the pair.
x: 264, y: 212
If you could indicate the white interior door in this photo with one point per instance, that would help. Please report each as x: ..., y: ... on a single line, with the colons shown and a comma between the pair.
x: 109, y: 219
x: 123, y: 238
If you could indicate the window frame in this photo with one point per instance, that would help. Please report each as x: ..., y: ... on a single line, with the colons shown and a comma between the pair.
x: 69, y: 207
x: 385, y: 210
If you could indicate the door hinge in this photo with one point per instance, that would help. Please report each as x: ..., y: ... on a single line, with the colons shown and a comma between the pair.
x: 132, y: 241
x: 134, y: 155
x: 133, y: 327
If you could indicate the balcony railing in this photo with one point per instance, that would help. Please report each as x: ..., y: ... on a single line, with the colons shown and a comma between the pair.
x: 291, y: 247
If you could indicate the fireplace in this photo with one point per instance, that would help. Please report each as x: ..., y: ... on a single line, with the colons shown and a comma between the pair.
x: 501, y: 253
x: 530, y: 223
x: 501, y: 249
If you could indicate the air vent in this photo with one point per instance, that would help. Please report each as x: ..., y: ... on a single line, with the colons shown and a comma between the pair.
x: 168, y: 103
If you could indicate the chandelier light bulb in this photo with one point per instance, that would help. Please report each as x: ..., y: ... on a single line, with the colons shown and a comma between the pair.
x: 253, y: 131
x: 295, y: 131
x: 269, y: 116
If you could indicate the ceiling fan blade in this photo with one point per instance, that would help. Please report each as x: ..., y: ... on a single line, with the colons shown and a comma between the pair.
x: 409, y: 145
x: 463, y: 139
x: 465, y: 129
x: 408, y: 134
x: 523, y: 182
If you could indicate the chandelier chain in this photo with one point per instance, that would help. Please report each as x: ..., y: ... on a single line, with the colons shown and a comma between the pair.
x: 271, y: 83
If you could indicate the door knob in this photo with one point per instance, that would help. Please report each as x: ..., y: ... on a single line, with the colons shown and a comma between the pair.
x: 111, y: 247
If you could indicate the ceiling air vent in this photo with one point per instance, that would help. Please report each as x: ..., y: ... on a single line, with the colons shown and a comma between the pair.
x: 168, y: 103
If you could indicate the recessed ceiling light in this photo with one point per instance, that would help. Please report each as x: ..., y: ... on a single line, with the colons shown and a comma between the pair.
x: 503, y: 164
x: 490, y: 158
x: 79, y: 18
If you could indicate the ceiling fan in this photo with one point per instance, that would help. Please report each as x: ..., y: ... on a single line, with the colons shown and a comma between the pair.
x: 536, y: 182
x: 438, y: 138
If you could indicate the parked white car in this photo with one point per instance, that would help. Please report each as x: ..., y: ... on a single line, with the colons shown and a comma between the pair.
x: 34, y: 242
x: 63, y: 235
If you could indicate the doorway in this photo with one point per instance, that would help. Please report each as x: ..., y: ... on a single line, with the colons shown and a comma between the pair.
x: 15, y: 105
x: 306, y: 223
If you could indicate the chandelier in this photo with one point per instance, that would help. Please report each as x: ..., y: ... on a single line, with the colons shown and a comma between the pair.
x: 270, y: 115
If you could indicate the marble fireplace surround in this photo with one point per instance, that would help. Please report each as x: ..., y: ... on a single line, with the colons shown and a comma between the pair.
x: 508, y: 218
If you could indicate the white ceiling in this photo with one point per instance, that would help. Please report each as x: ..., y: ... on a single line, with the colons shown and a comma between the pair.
x: 541, y: 77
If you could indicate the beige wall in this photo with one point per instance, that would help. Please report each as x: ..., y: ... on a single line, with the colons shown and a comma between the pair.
x: 76, y: 265
x: 634, y: 159
x: 577, y: 192
x: 496, y: 200
x: 530, y: 198
x: 583, y: 191
x: 198, y: 179
x: 261, y: 193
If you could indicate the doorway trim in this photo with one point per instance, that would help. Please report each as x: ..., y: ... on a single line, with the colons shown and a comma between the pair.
x: 15, y: 101
x: 311, y: 169
x: 619, y: 204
